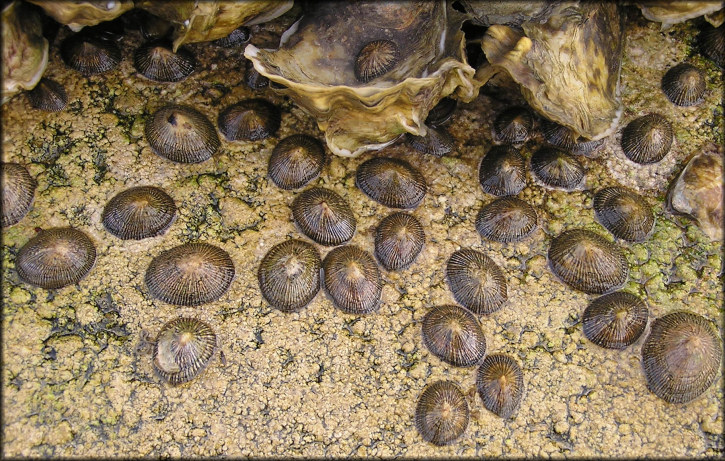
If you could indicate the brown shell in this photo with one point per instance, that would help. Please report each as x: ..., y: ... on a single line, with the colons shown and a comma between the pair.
x: 502, y: 171
x: 352, y: 279
x: 181, y: 134
x: 399, y: 238
x: 441, y: 112
x: 289, y: 275
x: 391, y: 182
x: 500, y: 384
x: 624, y: 213
x: 157, y: 61
x: 249, y: 120
x: 681, y: 356
x: 237, y: 37
x: 138, y: 213
x: 18, y: 192
x: 324, y: 216
x: 48, y: 95
x: 557, y: 169
x: 513, y: 125
x: 647, y: 139
x: 564, y: 138
x: 190, y: 274
x: 684, y: 85
x: 588, y: 262
x: 437, y: 142
x: 183, y: 348
x: 253, y: 78
x: 452, y: 333
x: 712, y: 43
x: 89, y: 55
x: 441, y: 415
x: 615, y: 320
x: 476, y: 281
x: 375, y: 59
x: 55, y: 258
x: 506, y: 219
x: 295, y: 161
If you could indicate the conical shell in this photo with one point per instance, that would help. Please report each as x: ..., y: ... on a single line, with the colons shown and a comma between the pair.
x: 289, y: 275
x: 712, y: 43
x: 391, y: 182
x: 681, y: 356
x: 502, y: 171
x: 438, y: 142
x: 48, y: 95
x: 684, y: 85
x: 249, y: 120
x: 615, y: 320
x: 157, y: 61
x: 513, y: 125
x: 441, y: 415
x: 324, y: 216
x: 476, y: 281
x: 441, y: 112
x: 190, y: 274
x: 564, y: 138
x: 647, y: 139
x: 588, y: 262
x: 55, y: 258
x: 183, y: 348
x: 352, y: 279
x: 375, y: 59
x: 453, y: 334
x: 237, y: 37
x: 18, y: 193
x: 181, y: 134
x: 557, y: 169
x: 295, y: 161
x: 624, y: 213
x: 138, y: 213
x: 506, y: 219
x: 399, y: 238
x: 500, y: 384
x: 89, y: 55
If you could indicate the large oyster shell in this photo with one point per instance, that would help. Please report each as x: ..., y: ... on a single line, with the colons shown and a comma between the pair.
x: 79, y: 13
x: 568, y: 67
x: 200, y: 21
x: 25, y: 50
x: 315, y: 62
x: 698, y: 191
x: 487, y: 12
x: 673, y: 12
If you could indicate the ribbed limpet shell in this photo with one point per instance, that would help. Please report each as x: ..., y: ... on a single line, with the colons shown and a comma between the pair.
x: 289, y: 275
x: 352, y: 279
x: 157, y: 61
x: 181, y: 134
x: 56, y: 257
x: 647, y: 139
x: 18, y: 192
x: 557, y: 169
x: 588, y: 262
x: 441, y: 415
x: 564, y: 138
x: 48, y: 95
x: 89, y: 55
x: 624, y: 213
x: 684, y: 85
x: 681, y: 356
x: 506, y: 219
x: 375, y: 59
x: 615, y: 320
x: 513, y: 125
x: 502, y: 171
x: 249, y: 120
x: 190, y: 274
x: 324, y: 216
x: 391, y: 182
x: 138, y: 213
x: 476, y: 281
x: 399, y: 238
x: 500, y: 384
x: 437, y: 142
x: 295, y: 161
x: 183, y: 348
x: 453, y: 334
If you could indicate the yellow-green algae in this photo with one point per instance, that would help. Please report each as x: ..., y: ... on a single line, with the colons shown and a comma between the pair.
x: 319, y: 382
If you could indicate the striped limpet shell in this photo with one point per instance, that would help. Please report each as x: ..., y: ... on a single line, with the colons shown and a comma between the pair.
x: 183, y: 348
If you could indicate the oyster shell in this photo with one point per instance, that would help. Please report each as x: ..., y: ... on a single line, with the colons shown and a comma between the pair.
x: 78, y: 13
x: 200, y: 21
x: 317, y: 69
x: 487, y: 13
x: 25, y: 50
x: 568, y: 67
x: 673, y: 12
x: 698, y: 192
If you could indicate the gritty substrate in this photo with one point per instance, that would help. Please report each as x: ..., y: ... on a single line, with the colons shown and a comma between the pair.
x: 320, y: 382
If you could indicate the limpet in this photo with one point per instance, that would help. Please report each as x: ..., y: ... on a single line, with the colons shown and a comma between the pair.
x: 647, y: 139
x: 138, y: 213
x: 624, y: 213
x: 157, y: 61
x: 502, y: 171
x: 289, y: 275
x: 18, y: 189
x: 441, y: 415
x: 506, y: 219
x: 183, y: 348
x: 391, y: 182
x: 181, y: 134
x: 454, y: 335
x: 500, y: 384
x: 48, y: 95
x: 557, y: 169
x: 295, y: 161
x: 375, y: 59
x: 615, y: 320
x: 89, y: 55
x: 352, y: 279
x: 684, y: 85
x: 249, y: 120
x: 476, y: 281
x: 324, y: 216
x: 399, y: 238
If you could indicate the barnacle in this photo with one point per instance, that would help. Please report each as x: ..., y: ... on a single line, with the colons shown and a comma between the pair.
x: 398, y: 60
